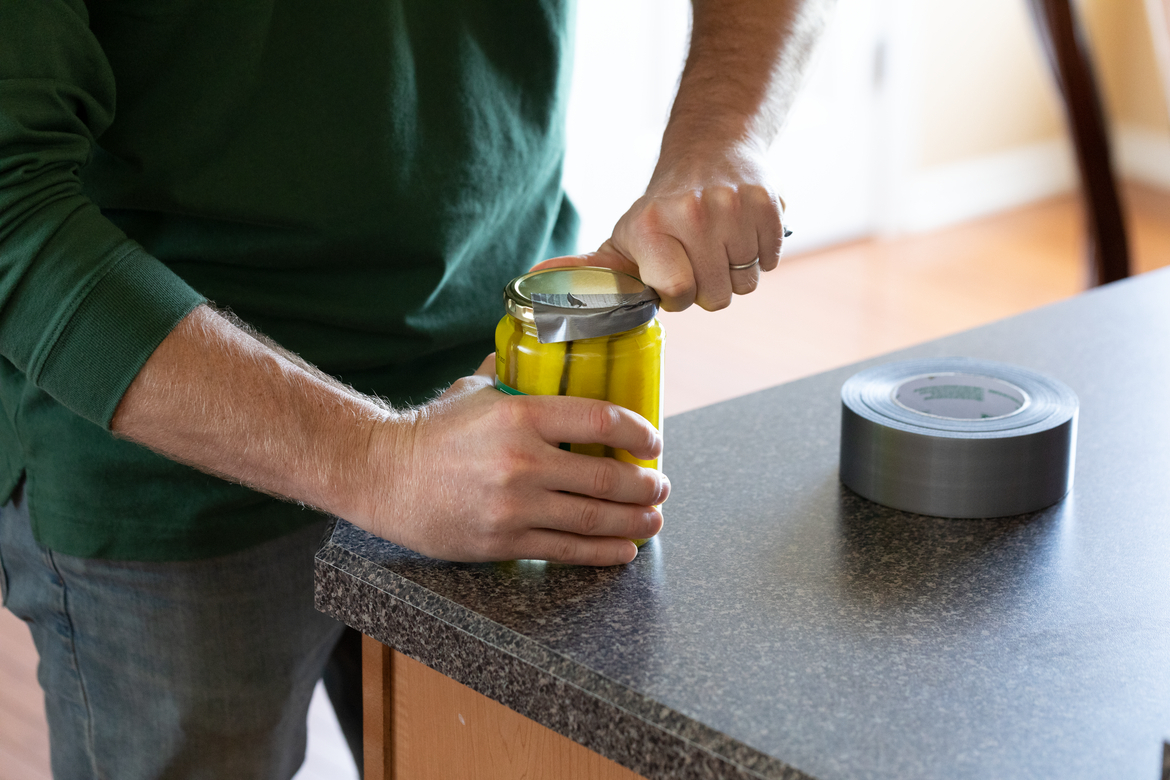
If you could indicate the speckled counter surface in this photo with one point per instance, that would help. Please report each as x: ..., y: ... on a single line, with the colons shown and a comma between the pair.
x: 783, y: 627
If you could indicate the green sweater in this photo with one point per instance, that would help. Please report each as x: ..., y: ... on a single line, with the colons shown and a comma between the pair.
x: 358, y: 181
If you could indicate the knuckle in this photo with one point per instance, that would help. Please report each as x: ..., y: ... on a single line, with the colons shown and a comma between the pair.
x: 763, y: 205
x: 562, y: 550
x: 693, y: 208
x: 589, y: 519
x: 676, y: 285
x: 727, y: 199
x: 773, y: 208
x: 498, y: 545
x: 514, y: 412
x: 497, y: 549
x: 651, y: 220
x: 462, y: 384
x: 716, y: 302
x: 749, y: 285
x: 512, y: 467
x: 771, y: 248
x: 604, y: 419
x: 652, y: 487
x: 604, y: 478
x: 762, y: 195
x: 497, y: 514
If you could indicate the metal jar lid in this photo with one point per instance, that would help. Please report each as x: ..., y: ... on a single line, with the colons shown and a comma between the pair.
x: 579, y: 302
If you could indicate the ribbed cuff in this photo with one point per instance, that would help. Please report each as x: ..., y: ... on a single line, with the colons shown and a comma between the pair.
x: 108, y: 338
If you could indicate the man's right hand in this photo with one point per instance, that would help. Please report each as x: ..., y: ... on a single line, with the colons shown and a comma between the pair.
x: 478, y: 475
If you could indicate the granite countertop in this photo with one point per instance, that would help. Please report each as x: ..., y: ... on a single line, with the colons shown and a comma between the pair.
x: 782, y: 627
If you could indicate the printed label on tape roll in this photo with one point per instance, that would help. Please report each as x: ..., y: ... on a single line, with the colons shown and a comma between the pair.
x: 954, y: 396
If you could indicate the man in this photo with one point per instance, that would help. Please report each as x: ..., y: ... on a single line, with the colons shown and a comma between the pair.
x: 357, y: 183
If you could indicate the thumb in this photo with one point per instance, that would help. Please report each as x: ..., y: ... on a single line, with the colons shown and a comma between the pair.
x: 606, y: 257
x: 487, y: 367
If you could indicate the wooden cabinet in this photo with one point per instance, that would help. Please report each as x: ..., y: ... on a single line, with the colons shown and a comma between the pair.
x: 422, y: 725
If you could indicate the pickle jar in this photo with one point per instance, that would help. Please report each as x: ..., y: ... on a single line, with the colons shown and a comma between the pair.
x: 587, y: 332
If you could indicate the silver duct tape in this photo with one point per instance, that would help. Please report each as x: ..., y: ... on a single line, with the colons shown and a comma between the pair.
x: 569, y: 317
x: 958, y: 437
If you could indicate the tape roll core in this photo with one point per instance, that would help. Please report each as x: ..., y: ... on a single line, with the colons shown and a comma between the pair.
x: 958, y: 437
x: 958, y: 396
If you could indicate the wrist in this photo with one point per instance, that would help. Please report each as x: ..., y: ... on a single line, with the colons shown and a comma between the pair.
x: 369, y: 465
x: 695, y: 134
x: 356, y: 461
x: 690, y: 162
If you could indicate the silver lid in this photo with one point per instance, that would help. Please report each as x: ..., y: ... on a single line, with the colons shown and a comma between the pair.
x: 580, y: 302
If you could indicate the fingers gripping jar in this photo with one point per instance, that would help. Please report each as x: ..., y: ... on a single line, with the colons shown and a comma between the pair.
x: 586, y: 332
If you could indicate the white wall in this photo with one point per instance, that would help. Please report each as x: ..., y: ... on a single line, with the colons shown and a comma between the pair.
x: 917, y: 113
x: 628, y: 60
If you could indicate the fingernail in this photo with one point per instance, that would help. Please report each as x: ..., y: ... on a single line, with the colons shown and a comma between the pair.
x: 663, y: 490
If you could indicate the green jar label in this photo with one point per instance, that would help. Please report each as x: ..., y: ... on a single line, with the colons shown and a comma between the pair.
x: 503, y: 388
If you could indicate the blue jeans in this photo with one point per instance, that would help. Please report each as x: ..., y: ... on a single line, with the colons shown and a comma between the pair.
x: 200, y: 669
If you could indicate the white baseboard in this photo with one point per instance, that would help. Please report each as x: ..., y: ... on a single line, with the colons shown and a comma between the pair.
x: 1142, y: 155
x: 945, y: 194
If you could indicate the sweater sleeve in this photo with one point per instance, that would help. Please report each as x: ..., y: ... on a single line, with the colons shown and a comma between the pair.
x: 82, y: 307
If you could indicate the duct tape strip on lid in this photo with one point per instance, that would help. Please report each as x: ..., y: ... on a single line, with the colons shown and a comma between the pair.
x: 580, y: 302
x: 569, y: 317
x: 958, y: 437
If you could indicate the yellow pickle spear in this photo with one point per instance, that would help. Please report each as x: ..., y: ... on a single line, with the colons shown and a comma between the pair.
x: 586, y: 366
x: 635, y: 380
x: 539, y: 366
x: 507, y: 333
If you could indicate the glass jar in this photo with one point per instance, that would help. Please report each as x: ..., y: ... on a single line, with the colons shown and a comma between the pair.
x: 605, y: 358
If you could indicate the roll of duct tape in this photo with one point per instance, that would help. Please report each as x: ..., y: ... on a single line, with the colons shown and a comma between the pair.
x: 958, y: 437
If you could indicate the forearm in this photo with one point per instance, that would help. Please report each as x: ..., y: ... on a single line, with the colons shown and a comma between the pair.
x: 746, y: 62
x: 217, y: 398
x: 474, y: 475
x: 709, y: 213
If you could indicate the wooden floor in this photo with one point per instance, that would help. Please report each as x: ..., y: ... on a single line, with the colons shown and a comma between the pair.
x: 24, y: 736
x: 817, y: 311
x: 840, y: 305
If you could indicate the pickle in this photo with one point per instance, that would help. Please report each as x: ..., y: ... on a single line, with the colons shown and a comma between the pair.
x: 586, y: 363
x: 507, y: 332
x: 538, y: 366
x: 635, y: 383
x: 635, y: 380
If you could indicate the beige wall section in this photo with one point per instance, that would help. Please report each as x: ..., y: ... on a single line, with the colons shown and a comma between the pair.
x: 1127, y: 68
x: 983, y: 85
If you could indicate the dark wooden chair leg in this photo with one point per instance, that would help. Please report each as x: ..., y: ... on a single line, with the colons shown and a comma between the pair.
x: 1068, y: 55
